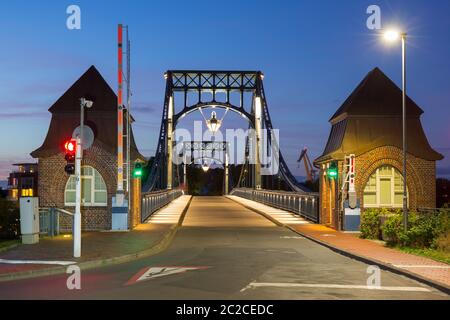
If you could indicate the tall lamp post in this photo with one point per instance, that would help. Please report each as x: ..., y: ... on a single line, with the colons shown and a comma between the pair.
x: 84, y: 103
x: 392, y: 35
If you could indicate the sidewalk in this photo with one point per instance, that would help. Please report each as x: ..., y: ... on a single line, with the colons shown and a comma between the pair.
x: 421, y: 267
x: 97, y: 247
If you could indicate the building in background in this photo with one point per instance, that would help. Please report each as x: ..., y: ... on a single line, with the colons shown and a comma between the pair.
x: 369, y: 125
x: 99, y: 166
x: 23, y: 182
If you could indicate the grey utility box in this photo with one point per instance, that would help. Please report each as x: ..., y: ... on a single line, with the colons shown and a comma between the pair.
x: 352, y: 217
x: 29, y: 219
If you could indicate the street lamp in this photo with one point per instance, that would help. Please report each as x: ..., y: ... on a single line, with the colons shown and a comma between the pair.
x: 205, y: 166
x: 84, y: 103
x: 213, y: 123
x: 391, y: 36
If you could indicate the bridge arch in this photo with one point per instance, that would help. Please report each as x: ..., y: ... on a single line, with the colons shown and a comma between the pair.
x: 213, y: 104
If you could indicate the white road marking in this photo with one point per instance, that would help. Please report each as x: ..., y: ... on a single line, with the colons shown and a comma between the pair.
x: 404, y: 266
x: 332, y: 286
x: 61, y: 263
x: 157, y: 272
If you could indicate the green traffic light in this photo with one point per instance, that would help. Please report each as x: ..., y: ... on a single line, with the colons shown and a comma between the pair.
x: 137, y: 172
x: 332, y: 171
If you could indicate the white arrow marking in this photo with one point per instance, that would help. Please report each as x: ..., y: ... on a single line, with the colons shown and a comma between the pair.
x: 157, y: 272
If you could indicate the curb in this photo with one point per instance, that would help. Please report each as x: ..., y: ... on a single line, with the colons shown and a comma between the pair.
x: 437, y: 285
x: 163, y: 244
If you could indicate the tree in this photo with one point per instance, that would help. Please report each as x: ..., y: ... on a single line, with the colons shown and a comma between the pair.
x: 9, y: 219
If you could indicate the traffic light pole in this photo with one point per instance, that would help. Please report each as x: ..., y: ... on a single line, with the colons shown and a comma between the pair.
x: 77, y: 216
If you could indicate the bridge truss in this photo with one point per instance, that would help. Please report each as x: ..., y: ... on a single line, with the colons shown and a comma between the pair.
x: 162, y: 174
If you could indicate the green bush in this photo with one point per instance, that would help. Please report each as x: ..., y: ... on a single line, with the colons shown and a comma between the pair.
x: 424, y: 230
x: 371, y: 220
x: 370, y: 224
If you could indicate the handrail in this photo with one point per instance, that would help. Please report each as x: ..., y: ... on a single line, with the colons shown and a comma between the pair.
x: 305, y: 205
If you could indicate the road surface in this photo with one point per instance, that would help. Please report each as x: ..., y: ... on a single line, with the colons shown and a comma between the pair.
x: 225, y: 251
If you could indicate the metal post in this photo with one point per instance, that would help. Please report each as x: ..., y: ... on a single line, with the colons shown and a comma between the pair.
x: 405, y: 195
x: 185, y: 171
x: 258, y: 112
x: 169, y: 144
x: 226, y: 169
x: 77, y: 217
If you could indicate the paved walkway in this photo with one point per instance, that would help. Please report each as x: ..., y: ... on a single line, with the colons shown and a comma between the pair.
x: 171, y: 213
x: 57, y: 251
x: 376, y: 251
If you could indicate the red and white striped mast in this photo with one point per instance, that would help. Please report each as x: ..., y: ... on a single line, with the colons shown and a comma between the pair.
x: 120, y: 113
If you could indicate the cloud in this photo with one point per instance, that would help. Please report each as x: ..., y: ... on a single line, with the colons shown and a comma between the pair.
x: 28, y: 115
x: 142, y: 107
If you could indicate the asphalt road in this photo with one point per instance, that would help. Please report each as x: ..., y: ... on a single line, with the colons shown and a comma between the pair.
x: 228, y: 252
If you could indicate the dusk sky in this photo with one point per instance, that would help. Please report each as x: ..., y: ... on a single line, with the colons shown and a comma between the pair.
x: 313, y: 54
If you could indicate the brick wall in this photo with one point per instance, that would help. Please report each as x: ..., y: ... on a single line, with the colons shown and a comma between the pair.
x: 421, y: 180
x: 53, y: 179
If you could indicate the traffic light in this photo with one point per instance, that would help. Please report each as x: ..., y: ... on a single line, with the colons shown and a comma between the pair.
x: 332, y: 171
x: 70, y: 147
x: 137, y: 172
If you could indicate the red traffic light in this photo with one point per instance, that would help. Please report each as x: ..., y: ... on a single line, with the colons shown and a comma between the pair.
x: 70, y: 146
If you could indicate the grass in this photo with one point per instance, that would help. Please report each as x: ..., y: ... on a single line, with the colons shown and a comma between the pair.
x: 434, y: 254
x: 4, y: 244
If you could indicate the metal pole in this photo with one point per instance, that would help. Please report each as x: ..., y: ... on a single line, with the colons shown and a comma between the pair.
x: 77, y: 216
x: 185, y: 171
x: 170, y: 143
x: 405, y: 195
x: 226, y: 169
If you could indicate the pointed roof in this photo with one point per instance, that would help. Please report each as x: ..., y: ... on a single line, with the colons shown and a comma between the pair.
x: 371, y: 118
x: 92, y: 86
x: 102, y: 117
x: 376, y: 95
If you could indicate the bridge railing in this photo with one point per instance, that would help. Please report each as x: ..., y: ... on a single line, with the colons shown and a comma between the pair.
x: 153, y: 201
x: 305, y: 205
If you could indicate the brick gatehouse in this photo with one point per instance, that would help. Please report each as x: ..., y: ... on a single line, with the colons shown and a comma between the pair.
x: 369, y: 125
x: 56, y: 188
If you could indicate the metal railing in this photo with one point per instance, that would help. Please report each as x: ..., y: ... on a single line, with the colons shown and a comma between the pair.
x: 153, y: 201
x: 49, y: 220
x: 305, y: 205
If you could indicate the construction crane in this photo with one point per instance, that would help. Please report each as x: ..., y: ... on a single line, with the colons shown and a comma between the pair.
x: 310, y: 171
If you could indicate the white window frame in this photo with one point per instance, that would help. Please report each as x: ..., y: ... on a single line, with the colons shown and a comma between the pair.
x: 391, y: 177
x: 93, y: 190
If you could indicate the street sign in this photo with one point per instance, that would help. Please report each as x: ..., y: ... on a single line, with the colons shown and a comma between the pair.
x: 149, y: 273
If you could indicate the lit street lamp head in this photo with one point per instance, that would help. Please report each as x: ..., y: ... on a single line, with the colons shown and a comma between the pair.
x: 213, y: 123
x: 391, y: 35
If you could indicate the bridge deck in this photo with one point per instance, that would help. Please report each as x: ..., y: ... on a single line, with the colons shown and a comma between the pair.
x: 222, y: 212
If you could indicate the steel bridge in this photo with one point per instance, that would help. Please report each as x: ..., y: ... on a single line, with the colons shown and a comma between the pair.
x: 164, y: 176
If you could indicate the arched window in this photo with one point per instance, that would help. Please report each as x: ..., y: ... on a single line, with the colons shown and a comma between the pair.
x: 93, y: 189
x: 384, y: 189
